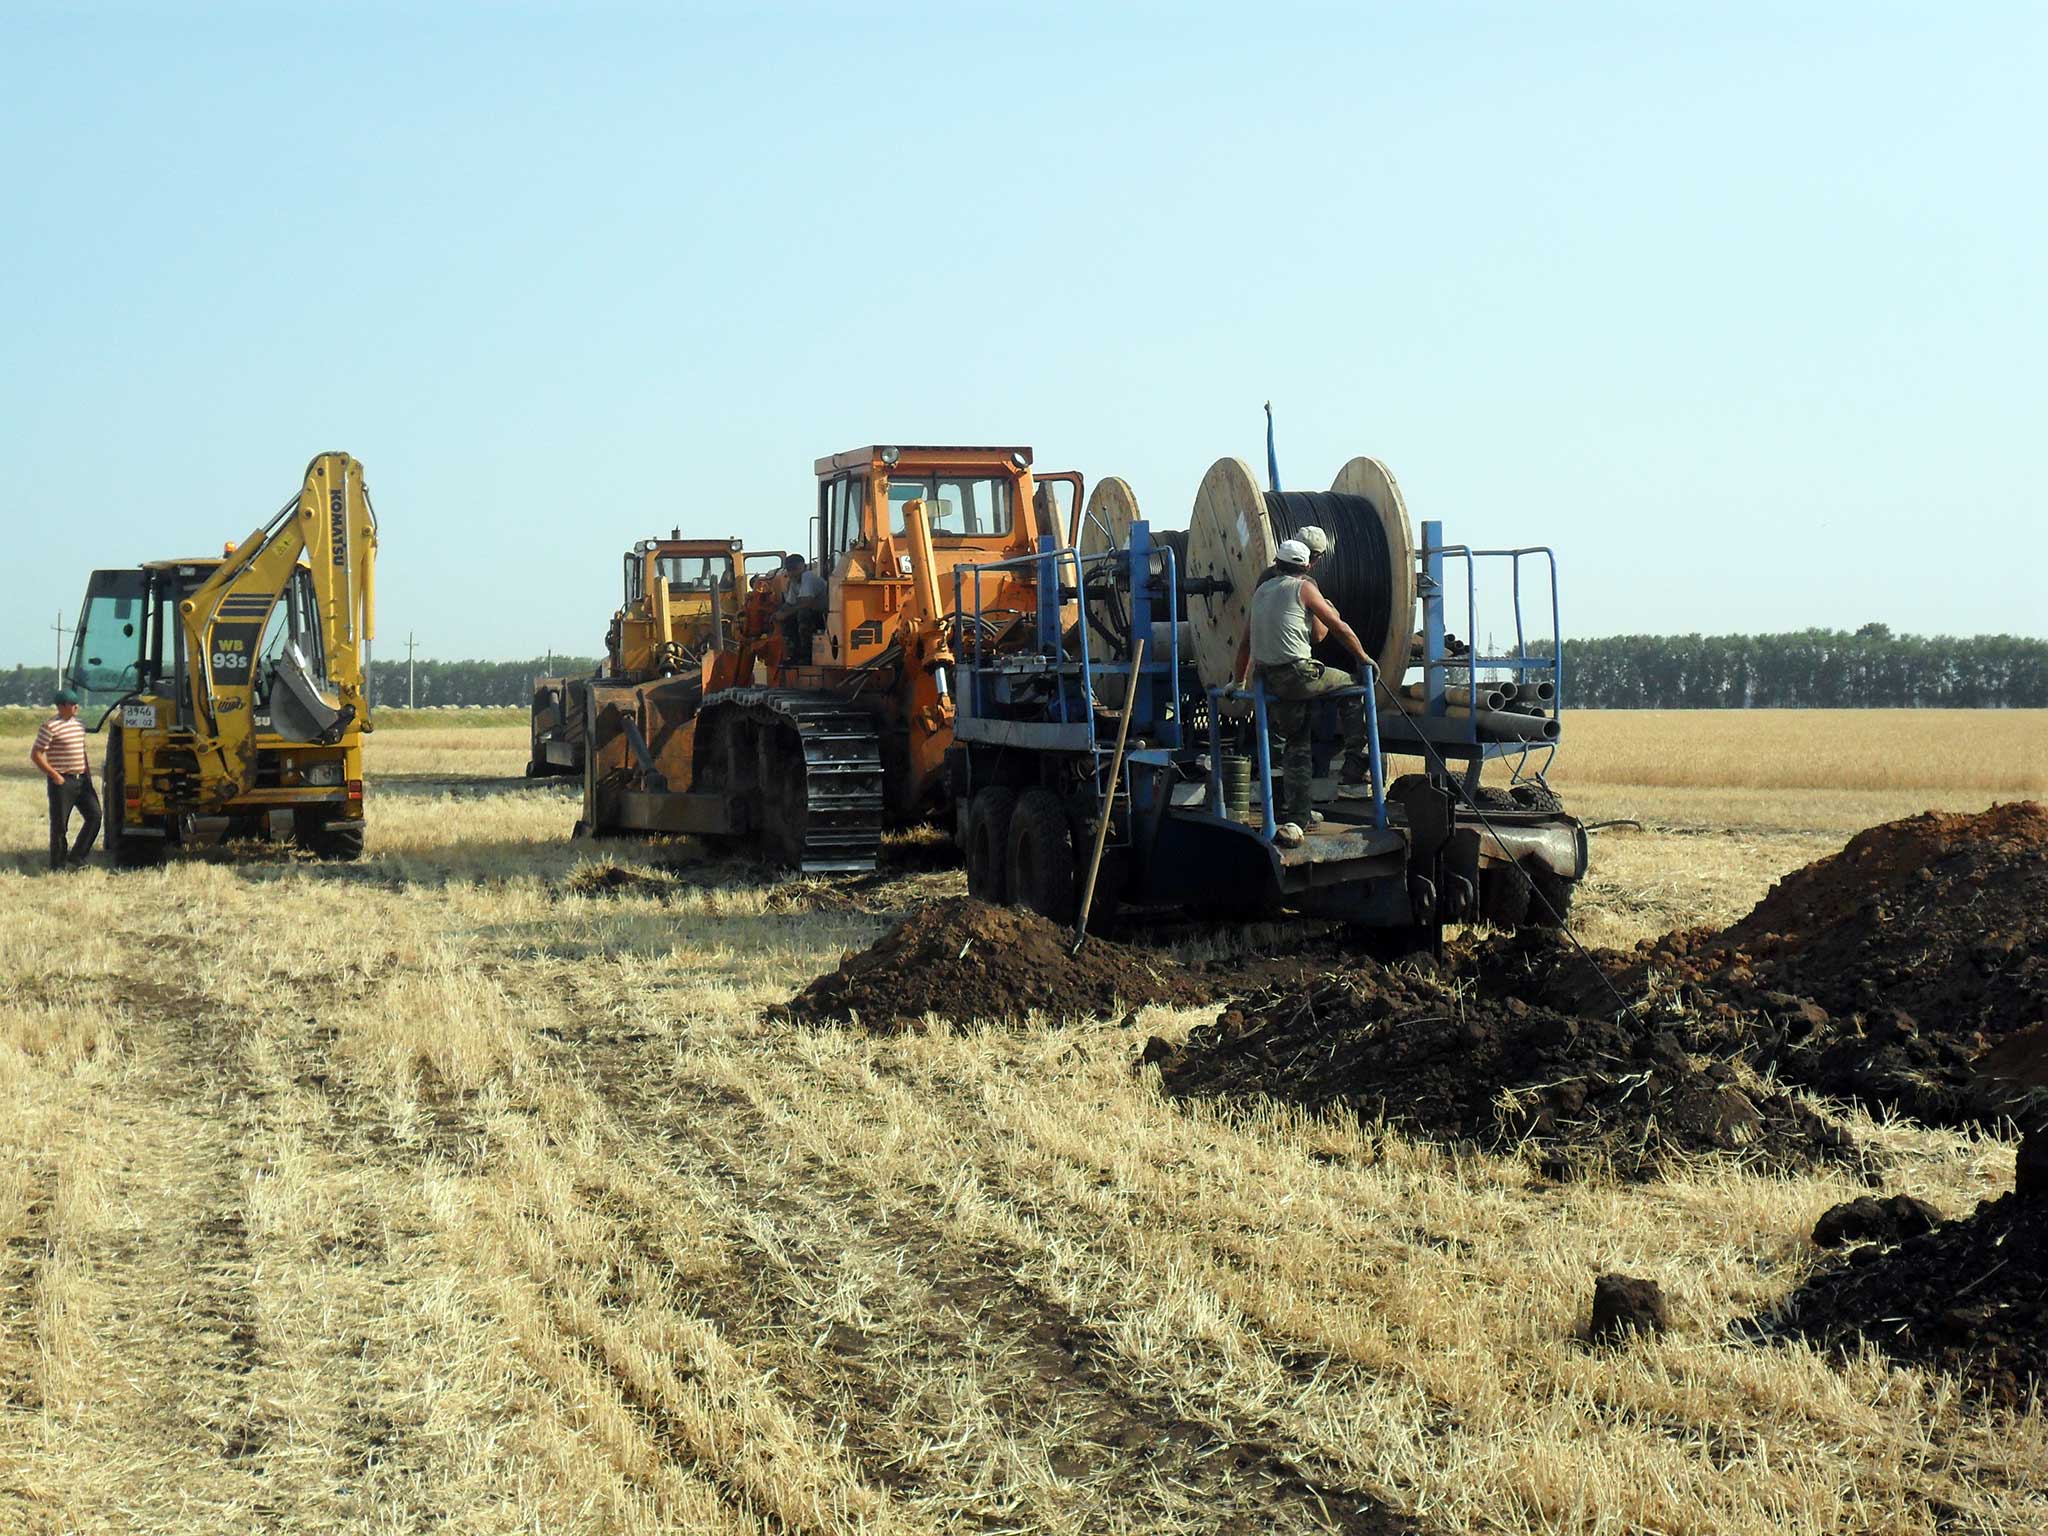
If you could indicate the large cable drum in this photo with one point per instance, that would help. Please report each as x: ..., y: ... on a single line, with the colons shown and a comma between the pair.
x: 1369, y: 573
x: 1106, y: 527
x: 1372, y: 482
x: 1230, y: 542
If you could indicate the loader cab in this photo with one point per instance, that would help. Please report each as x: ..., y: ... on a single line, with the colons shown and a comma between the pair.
x: 980, y: 505
x: 707, y: 588
x: 120, y: 630
x: 129, y: 645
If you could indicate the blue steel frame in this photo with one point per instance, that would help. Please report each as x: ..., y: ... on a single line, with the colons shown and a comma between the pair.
x: 1264, y: 756
x: 980, y: 697
x: 1076, y: 705
x: 1460, y: 733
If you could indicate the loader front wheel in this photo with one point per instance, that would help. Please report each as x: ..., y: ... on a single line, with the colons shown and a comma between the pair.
x: 988, y: 843
x: 1042, y: 857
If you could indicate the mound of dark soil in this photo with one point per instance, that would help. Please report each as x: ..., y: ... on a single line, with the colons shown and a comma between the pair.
x: 1881, y: 973
x: 1462, y: 1068
x: 611, y: 880
x: 963, y: 959
x: 1970, y: 1296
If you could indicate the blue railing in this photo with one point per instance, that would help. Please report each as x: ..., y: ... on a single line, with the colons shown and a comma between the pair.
x: 1522, y: 663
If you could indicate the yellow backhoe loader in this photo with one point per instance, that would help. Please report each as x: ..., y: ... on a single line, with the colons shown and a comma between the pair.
x: 238, y: 687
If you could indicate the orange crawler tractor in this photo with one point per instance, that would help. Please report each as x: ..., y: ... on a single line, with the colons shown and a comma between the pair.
x: 685, y: 599
x: 806, y: 758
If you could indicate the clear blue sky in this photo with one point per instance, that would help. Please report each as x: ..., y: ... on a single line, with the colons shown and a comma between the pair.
x: 1738, y: 306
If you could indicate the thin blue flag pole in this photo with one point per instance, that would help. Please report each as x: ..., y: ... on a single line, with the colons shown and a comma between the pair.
x: 1272, y: 460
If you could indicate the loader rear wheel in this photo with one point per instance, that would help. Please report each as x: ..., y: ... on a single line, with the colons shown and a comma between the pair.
x: 988, y: 843
x: 327, y: 838
x: 1042, y: 857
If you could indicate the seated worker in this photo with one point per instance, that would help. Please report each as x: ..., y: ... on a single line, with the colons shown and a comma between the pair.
x: 802, y: 613
x: 1289, y: 615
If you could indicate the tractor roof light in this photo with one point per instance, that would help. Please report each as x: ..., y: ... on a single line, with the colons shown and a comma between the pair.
x: 889, y: 456
x: 1020, y: 460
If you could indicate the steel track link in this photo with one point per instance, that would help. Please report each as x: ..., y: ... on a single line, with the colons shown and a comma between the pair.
x: 838, y: 798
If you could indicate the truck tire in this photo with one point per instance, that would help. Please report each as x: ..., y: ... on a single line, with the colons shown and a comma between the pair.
x: 1042, y: 857
x: 1550, y: 898
x: 1504, y: 895
x: 988, y: 843
x: 123, y: 851
x: 335, y: 840
x: 114, y: 799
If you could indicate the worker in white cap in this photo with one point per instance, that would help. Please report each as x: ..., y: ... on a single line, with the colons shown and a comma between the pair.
x: 1289, y: 615
x: 1311, y: 538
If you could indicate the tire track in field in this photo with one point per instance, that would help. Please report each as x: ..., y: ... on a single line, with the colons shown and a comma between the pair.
x: 1057, y: 1243
x: 589, y: 1381
x: 145, y: 1265
x: 800, y: 1230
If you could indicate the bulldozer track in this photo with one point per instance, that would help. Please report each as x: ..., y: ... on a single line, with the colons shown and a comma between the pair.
x: 820, y: 808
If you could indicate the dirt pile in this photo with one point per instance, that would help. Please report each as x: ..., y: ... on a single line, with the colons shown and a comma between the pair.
x: 1457, y: 1067
x: 611, y: 880
x: 1881, y: 973
x: 963, y: 959
x: 1872, y: 1219
x: 1970, y: 1296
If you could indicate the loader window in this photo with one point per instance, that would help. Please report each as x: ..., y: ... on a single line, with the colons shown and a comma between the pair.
x: 695, y: 574
x: 844, y: 503
x: 294, y: 620
x: 955, y: 508
x: 106, y: 656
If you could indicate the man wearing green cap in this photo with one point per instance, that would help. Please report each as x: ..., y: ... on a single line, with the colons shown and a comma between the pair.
x: 59, y: 751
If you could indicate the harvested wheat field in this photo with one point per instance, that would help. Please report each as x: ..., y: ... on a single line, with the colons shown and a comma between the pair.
x: 492, y: 1184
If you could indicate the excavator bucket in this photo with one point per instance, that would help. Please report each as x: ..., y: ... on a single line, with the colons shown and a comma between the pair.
x: 298, y: 710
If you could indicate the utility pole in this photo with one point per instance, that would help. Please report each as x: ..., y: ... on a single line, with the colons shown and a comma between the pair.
x: 62, y: 629
x: 410, y: 644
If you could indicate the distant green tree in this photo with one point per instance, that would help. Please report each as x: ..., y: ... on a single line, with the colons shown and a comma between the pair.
x: 1870, y: 667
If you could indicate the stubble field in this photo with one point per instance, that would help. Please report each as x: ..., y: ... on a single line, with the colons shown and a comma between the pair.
x: 446, y: 1191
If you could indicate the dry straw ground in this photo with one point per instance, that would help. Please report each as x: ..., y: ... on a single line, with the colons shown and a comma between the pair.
x: 427, y: 1193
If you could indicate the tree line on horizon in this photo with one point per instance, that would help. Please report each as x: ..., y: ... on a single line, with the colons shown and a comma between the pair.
x: 1869, y: 668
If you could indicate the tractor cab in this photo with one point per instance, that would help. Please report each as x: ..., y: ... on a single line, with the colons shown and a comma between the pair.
x: 686, y: 599
x: 978, y: 505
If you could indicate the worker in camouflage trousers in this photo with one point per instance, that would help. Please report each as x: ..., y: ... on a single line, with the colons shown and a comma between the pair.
x: 1289, y: 615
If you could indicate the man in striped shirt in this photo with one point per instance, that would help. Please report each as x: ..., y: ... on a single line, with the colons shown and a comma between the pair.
x: 60, y: 753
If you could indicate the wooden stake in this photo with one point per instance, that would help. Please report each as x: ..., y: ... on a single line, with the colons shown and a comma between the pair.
x: 1116, y: 768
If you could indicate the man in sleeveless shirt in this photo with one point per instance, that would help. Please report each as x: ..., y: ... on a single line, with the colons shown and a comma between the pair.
x: 59, y: 755
x: 1289, y: 615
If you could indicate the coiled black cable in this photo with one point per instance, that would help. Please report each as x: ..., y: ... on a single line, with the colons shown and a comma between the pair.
x: 1357, y: 575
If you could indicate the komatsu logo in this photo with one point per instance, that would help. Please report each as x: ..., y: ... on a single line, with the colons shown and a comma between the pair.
x: 337, y: 524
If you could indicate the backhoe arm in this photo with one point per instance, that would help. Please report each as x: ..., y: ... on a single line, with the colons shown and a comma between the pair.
x: 331, y: 523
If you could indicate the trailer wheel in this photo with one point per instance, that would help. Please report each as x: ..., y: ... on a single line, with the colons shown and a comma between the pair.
x: 1042, y: 857
x: 1550, y: 896
x: 988, y: 843
x: 1504, y: 895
